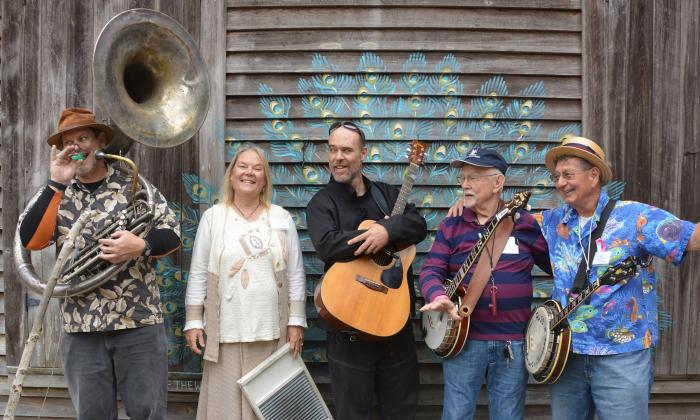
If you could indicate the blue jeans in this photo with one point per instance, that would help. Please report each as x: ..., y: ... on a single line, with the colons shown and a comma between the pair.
x: 506, y: 381
x: 613, y: 387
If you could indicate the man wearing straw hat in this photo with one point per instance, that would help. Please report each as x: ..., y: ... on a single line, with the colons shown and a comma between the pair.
x: 609, y: 372
x: 113, y: 337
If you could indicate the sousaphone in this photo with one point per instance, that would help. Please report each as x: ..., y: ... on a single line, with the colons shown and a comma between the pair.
x: 151, y: 81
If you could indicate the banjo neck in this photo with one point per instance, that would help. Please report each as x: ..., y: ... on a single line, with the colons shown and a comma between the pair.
x: 618, y: 274
x: 575, y: 303
x: 473, y: 256
x: 519, y: 201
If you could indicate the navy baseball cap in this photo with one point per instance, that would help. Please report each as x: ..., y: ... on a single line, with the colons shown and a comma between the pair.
x: 485, y: 158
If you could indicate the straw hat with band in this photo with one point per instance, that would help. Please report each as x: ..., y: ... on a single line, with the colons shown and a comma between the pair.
x: 585, y: 149
x: 73, y: 118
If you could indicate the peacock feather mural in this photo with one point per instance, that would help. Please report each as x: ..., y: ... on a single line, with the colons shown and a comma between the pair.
x: 426, y: 102
x: 172, y: 276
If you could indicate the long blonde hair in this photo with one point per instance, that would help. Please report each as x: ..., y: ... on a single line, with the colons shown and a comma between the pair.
x: 227, y: 192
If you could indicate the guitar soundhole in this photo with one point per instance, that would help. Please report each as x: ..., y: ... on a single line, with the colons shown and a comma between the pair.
x: 384, y: 258
x: 393, y: 276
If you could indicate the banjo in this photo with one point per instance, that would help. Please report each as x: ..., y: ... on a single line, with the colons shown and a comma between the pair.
x: 548, y: 335
x: 443, y: 335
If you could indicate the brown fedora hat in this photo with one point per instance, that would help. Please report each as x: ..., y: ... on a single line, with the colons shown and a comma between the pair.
x: 72, y: 118
x: 585, y: 149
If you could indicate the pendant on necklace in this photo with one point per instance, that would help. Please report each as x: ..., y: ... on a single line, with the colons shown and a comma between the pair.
x: 492, y: 305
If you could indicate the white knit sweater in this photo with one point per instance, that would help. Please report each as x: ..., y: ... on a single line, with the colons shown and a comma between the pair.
x: 246, y: 255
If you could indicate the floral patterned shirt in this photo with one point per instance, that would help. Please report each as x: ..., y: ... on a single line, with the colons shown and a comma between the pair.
x: 617, y: 319
x: 132, y: 298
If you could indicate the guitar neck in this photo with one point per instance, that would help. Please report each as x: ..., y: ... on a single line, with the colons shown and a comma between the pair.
x: 406, y: 187
x: 472, y: 257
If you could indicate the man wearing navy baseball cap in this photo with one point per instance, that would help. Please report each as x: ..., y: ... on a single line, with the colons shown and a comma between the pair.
x: 494, y: 347
x: 482, y: 158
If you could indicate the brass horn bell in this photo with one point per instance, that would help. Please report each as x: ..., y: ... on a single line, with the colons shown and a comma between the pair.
x: 150, y: 78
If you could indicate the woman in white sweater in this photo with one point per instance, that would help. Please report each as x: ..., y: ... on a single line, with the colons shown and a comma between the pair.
x: 246, y: 287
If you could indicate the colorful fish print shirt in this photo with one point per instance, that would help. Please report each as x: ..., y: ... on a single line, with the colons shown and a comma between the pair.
x: 617, y: 319
x: 132, y: 298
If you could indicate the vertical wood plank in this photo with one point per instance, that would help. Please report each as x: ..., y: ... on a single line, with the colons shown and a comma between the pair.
x: 690, y: 168
x: 665, y: 169
x: 616, y: 89
x: 31, y: 148
x: 594, y: 35
x: 11, y: 99
x: 212, y: 135
x: 54, y: 54
x: 80, y: 47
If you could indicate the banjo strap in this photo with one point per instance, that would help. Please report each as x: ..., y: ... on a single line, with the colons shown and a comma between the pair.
x: 582, y: 273
x: 482, y: 273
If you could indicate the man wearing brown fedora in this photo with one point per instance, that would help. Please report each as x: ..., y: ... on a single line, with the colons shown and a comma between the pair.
x: 113, y: 336
x: 609, y: 372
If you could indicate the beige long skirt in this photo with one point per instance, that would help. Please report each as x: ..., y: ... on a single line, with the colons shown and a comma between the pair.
x: 220, y: 397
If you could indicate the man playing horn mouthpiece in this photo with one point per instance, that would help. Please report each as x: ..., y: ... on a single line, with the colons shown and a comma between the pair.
x: 113, y: 337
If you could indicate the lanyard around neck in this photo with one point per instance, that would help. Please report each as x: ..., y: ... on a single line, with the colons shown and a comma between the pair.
x: 586, y: 251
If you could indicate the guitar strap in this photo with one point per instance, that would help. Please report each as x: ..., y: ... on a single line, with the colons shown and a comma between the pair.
x: 379, y: 199
x: 582, y: 273
x: 482, y: 274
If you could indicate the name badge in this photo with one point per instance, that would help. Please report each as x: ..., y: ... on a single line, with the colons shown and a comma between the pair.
x: 602, y: 258
x: 511, y: 246
x: 253, y: 244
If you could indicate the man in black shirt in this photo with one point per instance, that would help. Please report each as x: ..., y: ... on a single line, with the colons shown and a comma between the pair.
x: 361, y: 369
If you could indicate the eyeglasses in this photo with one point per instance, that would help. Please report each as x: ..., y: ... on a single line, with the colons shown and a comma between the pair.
x: 349, y: 125
x: 567, y: 175
x: 472, y: 178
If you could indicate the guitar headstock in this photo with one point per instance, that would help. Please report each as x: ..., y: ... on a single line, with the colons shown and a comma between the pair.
x: 619, y: 273
x: 416, y: 152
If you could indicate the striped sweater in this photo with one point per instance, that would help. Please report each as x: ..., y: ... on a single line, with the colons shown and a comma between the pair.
x: 454, y: 240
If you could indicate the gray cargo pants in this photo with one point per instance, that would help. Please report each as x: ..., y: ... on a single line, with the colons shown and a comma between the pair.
x: 132, y: 362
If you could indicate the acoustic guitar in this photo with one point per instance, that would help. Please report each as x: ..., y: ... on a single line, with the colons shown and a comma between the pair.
x: 548, y: 334
x: 370, y: 294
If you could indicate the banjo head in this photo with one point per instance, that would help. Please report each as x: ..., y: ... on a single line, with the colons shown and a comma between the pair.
x: 538, y: 340
x: 435, y: 327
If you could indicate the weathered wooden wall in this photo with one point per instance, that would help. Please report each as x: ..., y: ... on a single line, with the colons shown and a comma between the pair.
x: 627, y: 70
x: 641, y: 99
x: 3, y: 337
x: 46, y: 66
